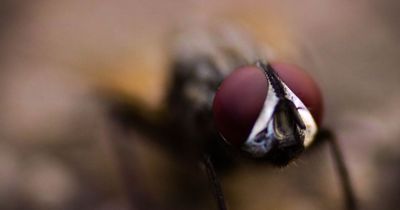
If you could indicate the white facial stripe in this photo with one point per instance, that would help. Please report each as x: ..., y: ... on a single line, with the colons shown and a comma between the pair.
x: 258, y: 149
x: 266, y: 113
x: 311, y: 126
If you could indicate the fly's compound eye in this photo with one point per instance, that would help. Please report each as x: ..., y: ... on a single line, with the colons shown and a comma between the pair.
x: 269, y: 111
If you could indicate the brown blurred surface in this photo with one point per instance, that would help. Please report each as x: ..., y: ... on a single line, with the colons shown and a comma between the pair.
x: 54, y: 151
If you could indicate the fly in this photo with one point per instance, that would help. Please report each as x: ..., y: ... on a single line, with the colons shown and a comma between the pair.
x: 201, y: 62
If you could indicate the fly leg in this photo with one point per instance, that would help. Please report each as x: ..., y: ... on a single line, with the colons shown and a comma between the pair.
x: 340, y: 167
x: 215, y: 183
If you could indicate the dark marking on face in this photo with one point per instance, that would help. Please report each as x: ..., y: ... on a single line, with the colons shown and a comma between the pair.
x: 273, y: 77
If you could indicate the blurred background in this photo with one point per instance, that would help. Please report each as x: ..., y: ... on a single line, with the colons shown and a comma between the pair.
x: 55, y: 56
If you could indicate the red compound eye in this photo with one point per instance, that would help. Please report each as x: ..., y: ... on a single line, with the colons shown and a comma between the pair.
x: 241, y: 96
x: 238, y: 103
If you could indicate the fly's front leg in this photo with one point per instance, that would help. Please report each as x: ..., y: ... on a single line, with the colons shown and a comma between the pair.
x: 214, y: 182
x: 340, y: 166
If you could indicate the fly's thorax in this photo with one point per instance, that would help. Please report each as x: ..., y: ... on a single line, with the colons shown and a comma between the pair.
x: 202, y: 56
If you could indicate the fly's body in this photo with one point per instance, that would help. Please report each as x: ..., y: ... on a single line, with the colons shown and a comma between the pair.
x: 202, y: 61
